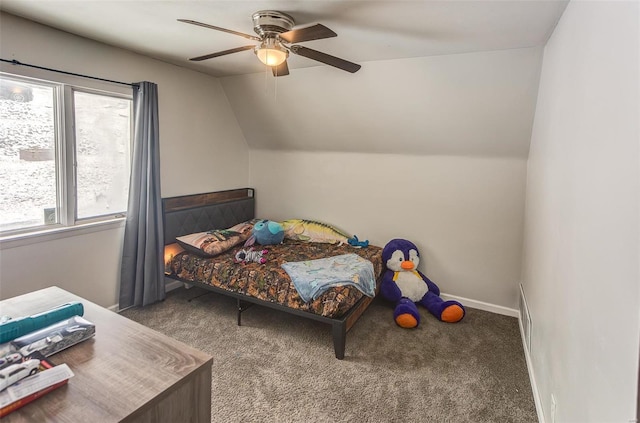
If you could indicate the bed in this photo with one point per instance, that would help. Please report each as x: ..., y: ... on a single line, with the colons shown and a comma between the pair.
x: 253, y: 283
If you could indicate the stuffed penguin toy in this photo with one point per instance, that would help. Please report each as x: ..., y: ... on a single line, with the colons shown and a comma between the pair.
x: 406, y: 286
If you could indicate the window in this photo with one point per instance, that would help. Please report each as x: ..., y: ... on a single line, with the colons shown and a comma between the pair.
x: 64, y: 154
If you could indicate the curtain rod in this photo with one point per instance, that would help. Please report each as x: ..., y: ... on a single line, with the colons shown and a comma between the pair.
x: 15, y: 62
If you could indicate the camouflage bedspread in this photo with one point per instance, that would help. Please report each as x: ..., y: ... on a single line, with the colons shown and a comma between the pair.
x: 269, y: 282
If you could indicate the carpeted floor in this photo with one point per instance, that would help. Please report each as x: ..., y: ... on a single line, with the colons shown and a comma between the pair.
x: 281, y: 368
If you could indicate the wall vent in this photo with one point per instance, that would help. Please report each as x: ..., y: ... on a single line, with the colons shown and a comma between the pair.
x: 525, y: 320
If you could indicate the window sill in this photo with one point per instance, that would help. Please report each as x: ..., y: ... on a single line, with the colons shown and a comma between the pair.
x: 44, y: 235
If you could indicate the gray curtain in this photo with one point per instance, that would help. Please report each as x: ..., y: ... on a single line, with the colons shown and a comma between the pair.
x: 142, y: 277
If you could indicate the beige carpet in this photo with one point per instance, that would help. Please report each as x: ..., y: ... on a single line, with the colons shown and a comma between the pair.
x: 281, y: 368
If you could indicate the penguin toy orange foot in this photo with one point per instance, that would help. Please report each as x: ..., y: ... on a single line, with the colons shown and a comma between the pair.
x: 406, y: 286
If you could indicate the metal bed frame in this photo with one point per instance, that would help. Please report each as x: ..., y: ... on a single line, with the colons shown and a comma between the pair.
x: 188, y: 214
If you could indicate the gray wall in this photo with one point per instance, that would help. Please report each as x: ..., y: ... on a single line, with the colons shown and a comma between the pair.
x: 459, y: 125
x: 582, y: 256
x: 465, y: 214
x: 431, y: 149
x: 198, y: 135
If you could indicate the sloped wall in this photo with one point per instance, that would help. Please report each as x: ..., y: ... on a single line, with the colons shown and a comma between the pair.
x: 430, y: 149
x: 475, y: 104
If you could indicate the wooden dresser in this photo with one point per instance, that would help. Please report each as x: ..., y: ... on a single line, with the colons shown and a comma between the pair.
x: 126, y: 373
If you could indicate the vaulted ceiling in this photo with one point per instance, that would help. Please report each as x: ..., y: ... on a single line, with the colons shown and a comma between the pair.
x: 367, y: 30
x: 437, y: 77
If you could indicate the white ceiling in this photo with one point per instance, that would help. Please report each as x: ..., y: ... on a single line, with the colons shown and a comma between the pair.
x: 367, y: 30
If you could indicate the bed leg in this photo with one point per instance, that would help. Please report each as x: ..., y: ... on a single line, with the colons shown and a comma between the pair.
x: 242, y: 306
x: 339, y: 339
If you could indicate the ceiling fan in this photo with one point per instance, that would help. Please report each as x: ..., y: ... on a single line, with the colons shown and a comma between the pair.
x: 277, y: 39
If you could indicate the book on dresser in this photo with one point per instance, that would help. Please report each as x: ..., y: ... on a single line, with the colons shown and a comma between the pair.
x: 47, y: 378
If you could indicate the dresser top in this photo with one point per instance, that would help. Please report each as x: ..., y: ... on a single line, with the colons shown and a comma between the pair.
x: 122, y: 368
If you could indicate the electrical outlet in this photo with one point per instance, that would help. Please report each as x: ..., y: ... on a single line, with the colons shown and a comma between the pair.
x: 554, y: 408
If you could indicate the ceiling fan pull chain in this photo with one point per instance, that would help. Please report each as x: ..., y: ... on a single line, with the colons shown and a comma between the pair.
x: 275, y: 88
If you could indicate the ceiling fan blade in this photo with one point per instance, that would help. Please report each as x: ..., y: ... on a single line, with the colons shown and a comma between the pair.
x: 314, y: 32
x: 220, y: 53
x: 326, y: 58
x: 217, y: 28
x: 280, y: 70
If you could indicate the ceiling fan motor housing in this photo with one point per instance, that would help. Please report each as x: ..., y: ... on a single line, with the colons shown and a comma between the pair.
x: 268, y: 23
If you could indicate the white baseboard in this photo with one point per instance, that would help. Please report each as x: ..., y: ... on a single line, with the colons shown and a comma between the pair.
x: 170, y: 285
x: 532, y: 377
x: 481, y: 305
x: 173, y: 284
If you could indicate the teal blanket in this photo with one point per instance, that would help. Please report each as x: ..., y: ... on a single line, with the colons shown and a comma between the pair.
x: 313, y: 277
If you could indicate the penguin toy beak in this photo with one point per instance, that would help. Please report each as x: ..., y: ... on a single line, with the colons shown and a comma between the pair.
x: 407, y: 265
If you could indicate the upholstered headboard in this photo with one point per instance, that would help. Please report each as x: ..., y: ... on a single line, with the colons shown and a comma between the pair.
x: 189, y: 214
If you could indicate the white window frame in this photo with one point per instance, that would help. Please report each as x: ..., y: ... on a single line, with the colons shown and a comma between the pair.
x: 66, y: 165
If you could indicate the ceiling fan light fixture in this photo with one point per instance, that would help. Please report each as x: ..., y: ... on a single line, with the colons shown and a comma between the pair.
x: 271, y: 53
x: 278, y: 38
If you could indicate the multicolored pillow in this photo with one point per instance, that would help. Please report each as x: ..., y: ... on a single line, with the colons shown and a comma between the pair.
x: 217, y: 241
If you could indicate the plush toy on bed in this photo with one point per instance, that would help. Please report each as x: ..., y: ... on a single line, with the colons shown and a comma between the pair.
x: 314, y: 231
x: 266, y: 232
x: 406, y: 286
x: 246, y: 256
